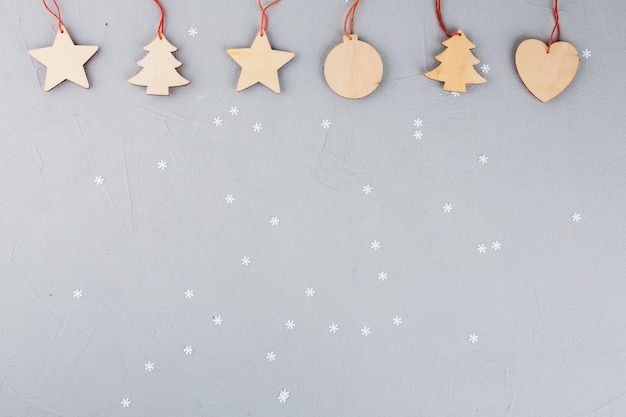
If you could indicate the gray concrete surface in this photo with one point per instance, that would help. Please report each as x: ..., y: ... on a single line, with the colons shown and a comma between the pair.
x: 548, y: 307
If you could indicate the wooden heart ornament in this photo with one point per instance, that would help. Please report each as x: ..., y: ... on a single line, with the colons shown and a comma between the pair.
x: 546, y: 74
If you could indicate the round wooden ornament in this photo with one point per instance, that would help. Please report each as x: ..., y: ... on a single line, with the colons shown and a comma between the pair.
x: 353, y: 69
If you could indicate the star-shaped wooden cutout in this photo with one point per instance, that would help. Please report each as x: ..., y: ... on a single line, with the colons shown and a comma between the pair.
x: 260, y: 63
x: 64, y: 60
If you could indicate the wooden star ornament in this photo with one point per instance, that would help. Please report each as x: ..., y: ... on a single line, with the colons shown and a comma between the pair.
x: 260, y: 63
x: 64, y: 60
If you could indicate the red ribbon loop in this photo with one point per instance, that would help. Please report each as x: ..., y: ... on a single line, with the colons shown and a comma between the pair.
x: 264, y: 20
x: 440, y: 19
x: 350, y: 16
x: 57, y: 14
x: 557, y: 26
x: 161, y: 27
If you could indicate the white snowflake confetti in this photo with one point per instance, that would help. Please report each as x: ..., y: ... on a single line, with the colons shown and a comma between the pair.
x: 271, y: 356
x: 283, y: 396
x: 481, y: 248
x: 367, y: 189
x: 274, y: 221
x: 397, y: 320
x: 234, y: 111
x: 448, y: 207
x: 310, y: 292
x: 99, y: 180
x: 230, y: 199
x: 334, y: 328
x: 189, y: 294
x: 417, y: 122
x: 125, y: 402
x: 473, y: 338
x: 192, y: 32
x: 290, y: 324
x: 382, y: 275
x: 365, y: 331
x: 77, y: 293
x: 375, y: 245
x: 586, y: 54
x: 325, y: 123
x: 217, y: 121
x: 485, y: 68
x: 576, y: 217
x: 188, y: 350
x: 257, y: 127
x: 482, y: 159
x: 418, y: 134
x: 149, y: 366
x: 496, y: 245
x: 245, y: 261
x: 455, y: 94
x: 162, y: 165
x: 217, y: 320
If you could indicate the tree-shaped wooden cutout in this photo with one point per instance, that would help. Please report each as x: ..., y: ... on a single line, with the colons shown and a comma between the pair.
x: 159, y: 68
x: 457, y: 64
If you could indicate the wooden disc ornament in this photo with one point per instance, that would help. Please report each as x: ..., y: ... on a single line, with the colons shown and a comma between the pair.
x: 158, y: 71
x: 63, y: 60
x: 547, y: 70
x: 353, y: 69
x: 456, y: 70
x: 260, y: 63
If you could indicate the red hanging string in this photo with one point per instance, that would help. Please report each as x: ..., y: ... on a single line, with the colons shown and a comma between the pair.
x: 440, y: 19
x: 57, y: 14
x: 264, y: 20
x: 557, y: 26
x: 350, y: 16
x: 161, y: 23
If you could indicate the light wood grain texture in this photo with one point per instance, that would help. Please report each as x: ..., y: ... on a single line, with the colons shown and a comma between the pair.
x: 64, y: 60
x: 545, y: 74
x: 259, y: 63
x: 457, y: 64
x: 159, y: 68
x: 353, y: 69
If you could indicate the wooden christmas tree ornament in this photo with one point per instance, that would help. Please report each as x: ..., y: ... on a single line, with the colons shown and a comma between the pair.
x: 260, y: 63
x: 353, y: 69
x: 457, y: 64
x: 547, y: 70
x: 159, y: 68
x: 457, y: 61
x: 159, y: 72
x: 63, y: 60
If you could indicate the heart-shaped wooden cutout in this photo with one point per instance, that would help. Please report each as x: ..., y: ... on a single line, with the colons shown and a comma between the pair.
x: 545, y: 74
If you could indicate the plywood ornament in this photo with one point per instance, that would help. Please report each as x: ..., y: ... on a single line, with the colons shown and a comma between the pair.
x: 547, y: 70
x: 545, y: 74
x: 457, y: 64
x: 159, y: 65
x: 353, y: 69
x: 159, y: 68
x: 260, y: 63
x: 63, y: 60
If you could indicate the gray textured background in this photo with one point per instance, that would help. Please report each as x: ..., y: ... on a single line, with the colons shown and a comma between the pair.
x: 548, y: 308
